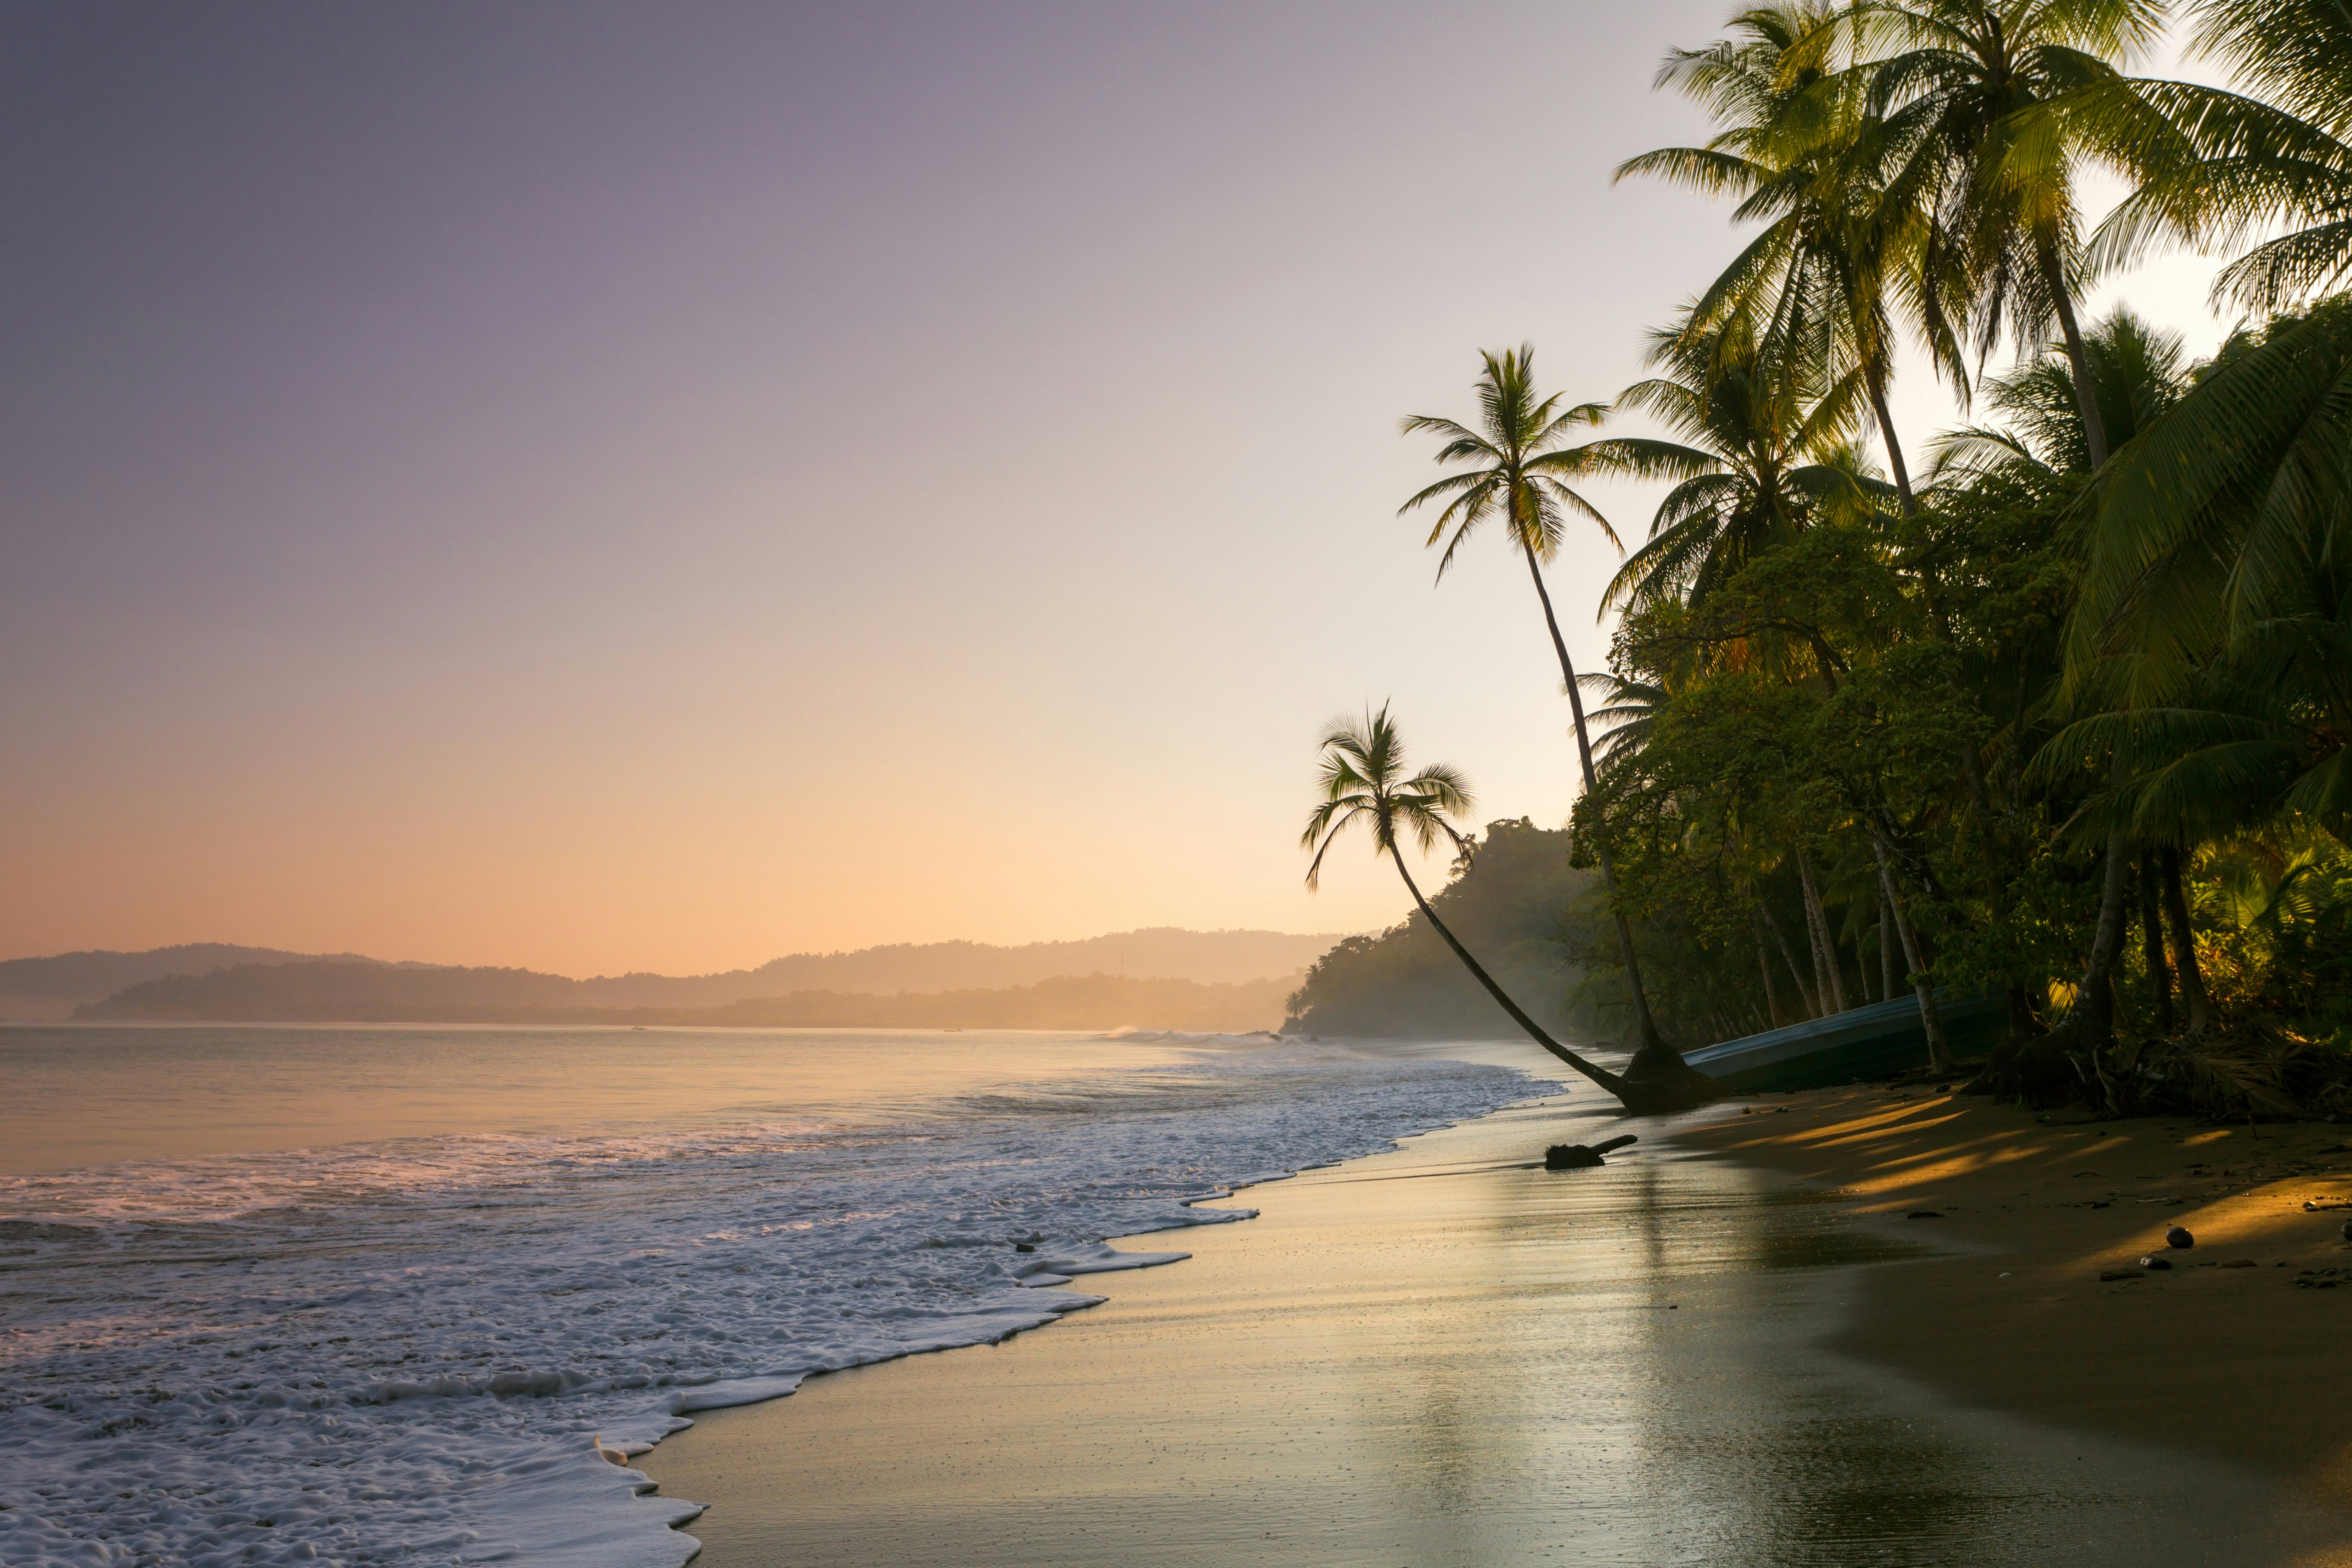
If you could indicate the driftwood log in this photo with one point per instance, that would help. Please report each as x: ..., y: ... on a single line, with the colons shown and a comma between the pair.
x: 1579, y: 1157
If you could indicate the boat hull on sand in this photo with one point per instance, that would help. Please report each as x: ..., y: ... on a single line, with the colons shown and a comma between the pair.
x: 1872, y: 1041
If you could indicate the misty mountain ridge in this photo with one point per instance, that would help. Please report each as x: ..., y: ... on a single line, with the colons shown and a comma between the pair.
x: 56, y: 987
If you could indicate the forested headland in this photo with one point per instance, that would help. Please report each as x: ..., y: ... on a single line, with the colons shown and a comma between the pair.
x: 1511, y: 895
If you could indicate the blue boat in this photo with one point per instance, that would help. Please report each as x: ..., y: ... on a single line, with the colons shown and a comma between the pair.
x: 1861, y: 1042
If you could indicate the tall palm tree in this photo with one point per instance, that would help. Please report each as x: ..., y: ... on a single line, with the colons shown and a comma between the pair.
x: 1998, y: 103
x: 1518, y: 470
x: 1807, y: 159
x: 1362, y: 780
x: 1760, y: 460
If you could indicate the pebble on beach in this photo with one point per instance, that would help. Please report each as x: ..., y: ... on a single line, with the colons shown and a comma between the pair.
x: 2153, y: 1261
x: 2178, y: 1236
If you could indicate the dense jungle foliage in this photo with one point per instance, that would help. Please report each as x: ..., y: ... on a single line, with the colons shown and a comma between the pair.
x: 2060, y: 716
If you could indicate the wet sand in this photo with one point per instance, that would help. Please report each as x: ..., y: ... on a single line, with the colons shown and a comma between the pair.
x: 1401, y: 1363
x: 2241, y: 1362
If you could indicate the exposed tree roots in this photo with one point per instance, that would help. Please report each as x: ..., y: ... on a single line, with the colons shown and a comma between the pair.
x: 1658, y: 1082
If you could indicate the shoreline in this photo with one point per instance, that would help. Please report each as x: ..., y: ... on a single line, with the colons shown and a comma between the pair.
x: 2234, y: 1363
x: 1433, y: 1354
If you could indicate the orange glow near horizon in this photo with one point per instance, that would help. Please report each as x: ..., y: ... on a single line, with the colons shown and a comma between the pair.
x: 892, y: 488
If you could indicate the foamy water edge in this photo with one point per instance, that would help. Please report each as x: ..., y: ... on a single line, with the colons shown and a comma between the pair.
x: 428, y: 1351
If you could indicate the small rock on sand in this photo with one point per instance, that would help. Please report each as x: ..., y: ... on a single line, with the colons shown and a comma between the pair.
x: 2178, y: 1236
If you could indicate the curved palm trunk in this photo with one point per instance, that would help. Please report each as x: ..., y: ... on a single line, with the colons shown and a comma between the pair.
x: 2047, y: 1069
x: 1649, y: 1044
x: 1638, y: 1098
x: 1598, y: 1074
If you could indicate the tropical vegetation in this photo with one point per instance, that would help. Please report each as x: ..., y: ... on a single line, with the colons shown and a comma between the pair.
x: 2059, y: 713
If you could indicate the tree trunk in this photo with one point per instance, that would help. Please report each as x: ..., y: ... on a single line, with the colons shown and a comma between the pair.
x: 1885, y: 948
x: 1902, y: 470
x: 1654, y: 1061
x: 1940, y: 1051
x: 1825, y: 954
x: 1764, y: 968
x: 2050, y: 1069
x: 1788, y: 954
x: 2094, y: 1001
x: 2151, y: 944
x: 2193, y: 1000
x: 2087, y: 402
x: 1642, y: 1098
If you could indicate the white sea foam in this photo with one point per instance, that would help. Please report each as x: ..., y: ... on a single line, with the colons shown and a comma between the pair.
x: 427, y: 1351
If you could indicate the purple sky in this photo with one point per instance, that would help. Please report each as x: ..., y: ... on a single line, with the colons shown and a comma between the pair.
x: 651, y: 486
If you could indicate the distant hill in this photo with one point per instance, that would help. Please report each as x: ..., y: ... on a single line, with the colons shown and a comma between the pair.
x: 222, y: 983
x: 53, y: 987
x: 347, y: 993
x: 1506, y: 907
x: 1158, y: 953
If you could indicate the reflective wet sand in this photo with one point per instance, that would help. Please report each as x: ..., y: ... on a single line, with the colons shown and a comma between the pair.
x: 1395, y: 1365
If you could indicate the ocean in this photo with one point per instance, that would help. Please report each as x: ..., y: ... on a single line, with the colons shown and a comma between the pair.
x: 396, y: 1295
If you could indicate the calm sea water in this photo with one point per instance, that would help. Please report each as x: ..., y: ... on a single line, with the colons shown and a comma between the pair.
x: 396, y: 1295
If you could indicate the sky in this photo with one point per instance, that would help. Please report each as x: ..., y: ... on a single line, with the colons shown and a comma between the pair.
x: 601, y: 487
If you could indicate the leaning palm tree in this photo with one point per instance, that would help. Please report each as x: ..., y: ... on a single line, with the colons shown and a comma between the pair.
x: 1363, y: 781
x: 1999, y: 104
x: 1519, y: 468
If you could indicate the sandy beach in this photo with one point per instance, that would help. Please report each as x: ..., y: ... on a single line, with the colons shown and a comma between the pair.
x: 1724, y: 1348
x: 2210, y: 1356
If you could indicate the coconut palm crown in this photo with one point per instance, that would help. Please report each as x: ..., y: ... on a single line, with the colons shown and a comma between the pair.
x: 1519, y: 464
x: 1359, y: 783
